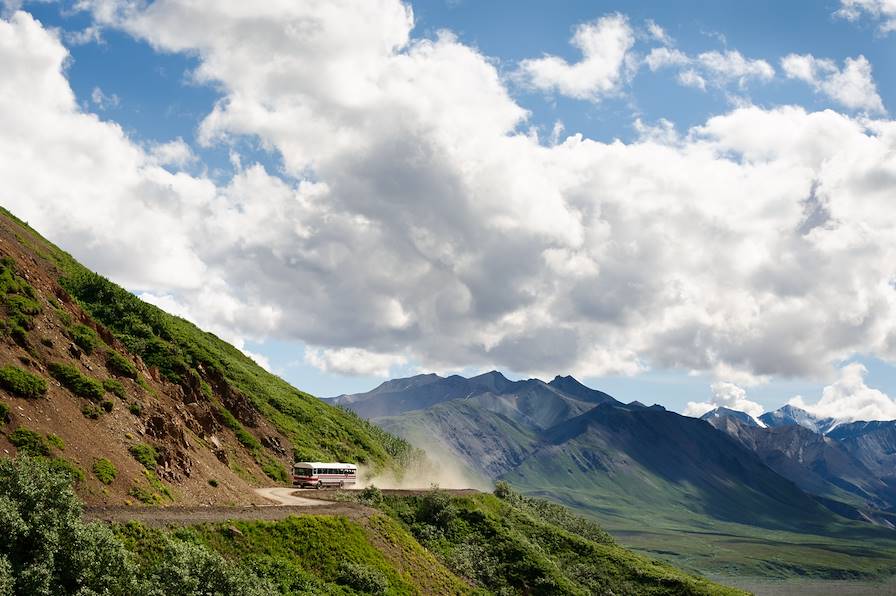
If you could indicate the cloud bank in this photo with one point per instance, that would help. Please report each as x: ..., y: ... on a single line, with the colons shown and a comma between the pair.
x: 417, y: 219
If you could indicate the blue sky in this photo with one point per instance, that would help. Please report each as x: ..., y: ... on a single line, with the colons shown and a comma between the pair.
x: 135, y: 75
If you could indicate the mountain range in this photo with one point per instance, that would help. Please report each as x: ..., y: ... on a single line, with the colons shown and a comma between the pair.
x: 645, y: 471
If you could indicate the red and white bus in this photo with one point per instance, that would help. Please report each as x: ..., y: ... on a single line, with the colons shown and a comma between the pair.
x: 319, y: 474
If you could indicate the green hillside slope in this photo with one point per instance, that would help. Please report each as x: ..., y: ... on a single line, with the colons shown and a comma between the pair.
x: 165, y: 411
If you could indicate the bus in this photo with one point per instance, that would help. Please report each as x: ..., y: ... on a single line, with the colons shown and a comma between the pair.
x: 320, y: 474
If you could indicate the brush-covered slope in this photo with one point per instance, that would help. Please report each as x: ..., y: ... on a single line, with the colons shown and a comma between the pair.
x: 507, y: 543
x: 141, y: 405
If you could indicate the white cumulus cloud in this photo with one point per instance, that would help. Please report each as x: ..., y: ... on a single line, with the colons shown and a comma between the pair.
x: 852, y: 86
x: 417, y: 217
x: 850, y: 399
x: 882, y: 11
x: 710, y: 68
x: 726, y: 395
x: 604, y: 45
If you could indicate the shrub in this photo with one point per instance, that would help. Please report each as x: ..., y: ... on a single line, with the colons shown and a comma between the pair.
x: 46, y: 547
x: 56, y: 441
x: 190, y: 568
x: 4, y: 413
x: 135, y: 408
x: 119, y: 365
x: 48, y: 342
x: 363, y: 578
x: 371, y: 495
x: 145, y: 454
x: 104, y: 470
x: 65, y: 468
x: 28, y: 442
x: 22, y: 383
x: 213, y: 483
x: 144, y: 495
x: 84, y: 337
x: 79, y: 384
x: 107, y: 405
x: 91, y: 411
x: 114, y: 387
x: 502, y: 489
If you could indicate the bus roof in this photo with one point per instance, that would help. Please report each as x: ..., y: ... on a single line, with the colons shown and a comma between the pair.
x: 318, y: 464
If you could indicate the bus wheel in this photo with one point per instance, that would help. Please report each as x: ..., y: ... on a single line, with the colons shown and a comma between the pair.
x: 319, y: 485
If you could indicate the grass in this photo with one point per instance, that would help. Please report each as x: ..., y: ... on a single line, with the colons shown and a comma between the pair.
x: 76, y: 382
x: 145, y: 454
x: 105, y: 471
x: 692, y: 541
x: 22, y: 383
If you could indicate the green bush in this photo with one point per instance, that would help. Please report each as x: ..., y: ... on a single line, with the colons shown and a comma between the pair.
x: 91, y: 411
x: 119, y: 365
x: 84, y: 337
x: 46, y: 547
x: 190, y: 568
x: 65, y: 468
x: 79, y: 384
x: 114, y: 387
x: 104, y: 470
x: 371, y: 495
x: 4, y: 413
x: 213, y: 483
x: 135, y: 408
x: 145, y: 454
x: 22, y: 383
x: 56, y: 441
x: 107, y: 405
x: 28, y: 442
x: 363, y: 578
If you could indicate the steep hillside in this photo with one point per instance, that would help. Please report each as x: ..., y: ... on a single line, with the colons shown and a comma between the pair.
x: 140, y: 405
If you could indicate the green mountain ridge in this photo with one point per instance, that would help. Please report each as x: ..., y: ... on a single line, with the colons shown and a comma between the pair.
x: 665, y: 484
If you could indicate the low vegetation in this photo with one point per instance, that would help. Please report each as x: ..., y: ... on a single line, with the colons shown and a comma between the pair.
x: 84, y: 337
x: 514, y: 544
x: 29, y: 442
x: 105, y: 471
x: 19, y: 301
x: 145, y: 454
x: 119, y: 365
x: 22, y: 383
x: 48, y: 549
x: 186, y: 355
x: 76, y: 382
x: 114, y: 387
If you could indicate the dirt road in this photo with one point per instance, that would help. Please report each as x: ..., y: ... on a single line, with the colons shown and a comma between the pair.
x: 285, y: 502
x: 285, y: 495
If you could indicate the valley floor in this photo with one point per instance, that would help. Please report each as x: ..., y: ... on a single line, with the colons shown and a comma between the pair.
x: 765, y: 587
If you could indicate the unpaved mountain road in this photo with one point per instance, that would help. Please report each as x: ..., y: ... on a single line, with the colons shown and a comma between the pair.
x: 285, y: 495
x: 285, y: 502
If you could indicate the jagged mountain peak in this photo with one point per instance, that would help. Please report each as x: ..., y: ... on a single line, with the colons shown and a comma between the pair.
x: 721, y: 413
